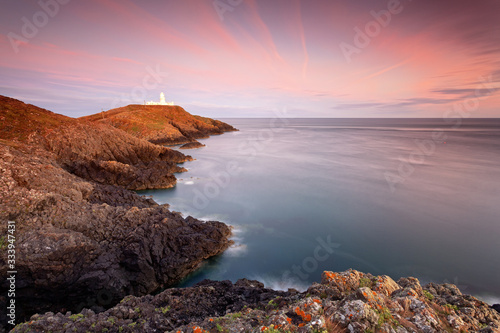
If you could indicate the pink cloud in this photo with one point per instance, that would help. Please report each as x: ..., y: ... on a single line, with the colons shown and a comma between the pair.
x: 286, y: 49
x: 127, y: 60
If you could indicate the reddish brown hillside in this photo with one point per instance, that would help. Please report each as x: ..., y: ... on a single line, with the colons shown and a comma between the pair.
x: 18, y: 120
x: 161, y: 124
x: 93, y: 151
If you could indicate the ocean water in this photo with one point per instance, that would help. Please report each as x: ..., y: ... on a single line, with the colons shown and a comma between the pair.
x: 401, y: 197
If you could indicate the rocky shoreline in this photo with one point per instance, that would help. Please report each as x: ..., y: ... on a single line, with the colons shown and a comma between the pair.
x: 349, y: 301
x: 91, y: 252
x: 83, y: 238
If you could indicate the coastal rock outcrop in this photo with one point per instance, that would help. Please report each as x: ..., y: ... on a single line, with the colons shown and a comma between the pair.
x: 348, y: 301
x: 161, y: 124
x: 110, y: 156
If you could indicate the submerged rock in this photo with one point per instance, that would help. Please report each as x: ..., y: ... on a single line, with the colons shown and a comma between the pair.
x: 192, y: 145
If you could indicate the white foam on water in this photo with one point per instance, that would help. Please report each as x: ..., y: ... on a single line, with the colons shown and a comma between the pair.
x: 236, y: 250
x: 282, y: 283
x: 213, y: 217
x: 239, y: 248
x: 237, y: 230
x: 189, y: 182
x: 236, y: 239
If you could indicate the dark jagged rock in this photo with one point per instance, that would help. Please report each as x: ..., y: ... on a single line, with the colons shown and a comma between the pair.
x: 496, y: 307
x: 151, y: 175
x: 192, y: 145
x: 349, y: 301
x: 82, y: 238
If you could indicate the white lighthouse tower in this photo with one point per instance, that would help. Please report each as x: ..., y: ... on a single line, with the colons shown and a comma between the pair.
x: 161, y: 102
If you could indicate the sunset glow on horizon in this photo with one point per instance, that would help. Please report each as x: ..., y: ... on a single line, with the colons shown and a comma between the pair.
x: 252, y: 58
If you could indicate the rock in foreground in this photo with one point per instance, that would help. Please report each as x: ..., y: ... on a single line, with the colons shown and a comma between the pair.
x: 350, y: 301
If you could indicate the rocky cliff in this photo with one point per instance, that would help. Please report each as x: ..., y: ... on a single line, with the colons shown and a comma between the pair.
x: 349, y: 301
x: 82, y: 238
x: 160, y: 123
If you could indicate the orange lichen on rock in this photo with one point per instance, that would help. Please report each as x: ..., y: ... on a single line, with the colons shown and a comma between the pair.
x: 305, y: 316
x: 331, y: 275
x: 299, y: 312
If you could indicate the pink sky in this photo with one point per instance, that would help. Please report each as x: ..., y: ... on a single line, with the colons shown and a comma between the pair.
x: 250, y: 58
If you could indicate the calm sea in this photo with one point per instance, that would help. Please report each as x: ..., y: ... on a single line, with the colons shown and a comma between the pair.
x: 401, y: 197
